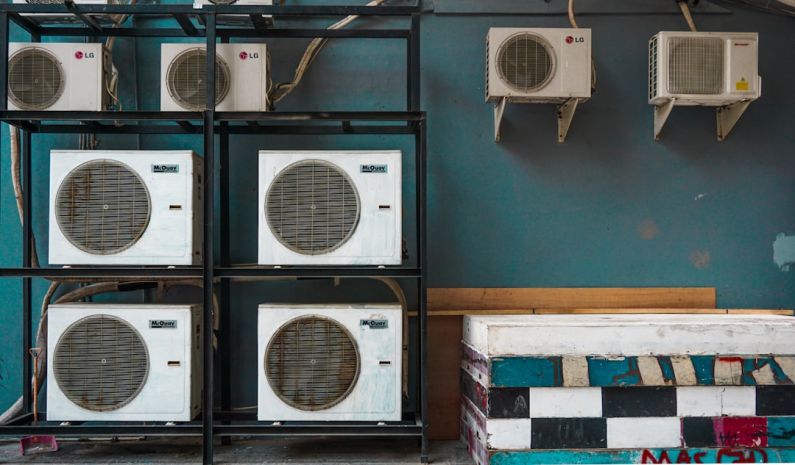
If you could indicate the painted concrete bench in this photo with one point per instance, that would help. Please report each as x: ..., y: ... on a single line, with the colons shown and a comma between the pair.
x: 628, y: 388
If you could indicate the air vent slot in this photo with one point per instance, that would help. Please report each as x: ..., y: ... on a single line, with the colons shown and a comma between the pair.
x: 312, y: 207
x: 312, y: 363
x: 525, y: 62
x: 101, y: 363
x: 102, y: 207
x: 186, y: 79
x: 35, y: 79
x: 695, y: 65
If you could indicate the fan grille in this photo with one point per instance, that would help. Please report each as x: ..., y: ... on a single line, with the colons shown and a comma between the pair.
x: 223, y: 2
x: 186, y: 77
x: 102, y: 207
x: 101, y: 363
x: 312, y: 363
x: 695, y: 65
x: 312, y: 207
x: 35, y: 79
x: 525, y: 62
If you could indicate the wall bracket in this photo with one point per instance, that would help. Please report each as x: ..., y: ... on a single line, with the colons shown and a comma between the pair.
x: 661, y: 114
x: 565, y: 115
x: 499, y: 111
x: 728, y: 116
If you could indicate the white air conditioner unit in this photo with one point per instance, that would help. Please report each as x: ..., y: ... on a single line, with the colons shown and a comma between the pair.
x: 116, y: 362
x: 329, y: 362
x: 111, y: 207
x: 538, y: 65
x: 330, y: 208
x: 241, y: 77
x: 717, y: 69
x: 57, y: 76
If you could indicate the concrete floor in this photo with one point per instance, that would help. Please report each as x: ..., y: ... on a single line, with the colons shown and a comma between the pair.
x: 327, y: 451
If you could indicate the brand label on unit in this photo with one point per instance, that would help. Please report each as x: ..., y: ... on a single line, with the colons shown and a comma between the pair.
x: 165, y: 168
x: 163, y: 324
x: 375, y: 324
x: 373, y: 168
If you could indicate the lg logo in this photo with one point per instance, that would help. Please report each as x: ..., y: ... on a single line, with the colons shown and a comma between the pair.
x: 573, y: 40
x: 80, y: 55
x: 246, y: 55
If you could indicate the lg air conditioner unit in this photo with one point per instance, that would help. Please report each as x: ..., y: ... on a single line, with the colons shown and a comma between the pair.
x: 538, y: 65
x: 241, y: 77
x: 116, y: 362
x: 57, y: 76
x: 329, y: 362
x: 111, y: 207
x: 330, y: 208
x: 718, y: 69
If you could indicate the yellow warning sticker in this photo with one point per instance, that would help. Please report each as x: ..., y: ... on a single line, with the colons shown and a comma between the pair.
x: 742, y: 84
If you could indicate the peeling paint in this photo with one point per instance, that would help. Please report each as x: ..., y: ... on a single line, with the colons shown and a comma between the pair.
x: 700, y: 196
x: 784, y: 251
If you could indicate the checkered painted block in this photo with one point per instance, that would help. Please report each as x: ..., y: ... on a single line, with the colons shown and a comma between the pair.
x: 652, y: 370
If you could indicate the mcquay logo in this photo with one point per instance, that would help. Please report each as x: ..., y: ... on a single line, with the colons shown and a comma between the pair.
x: 375, y: 324
x: 373, y: 168
x: 165, y: 168
x: 163, y: 324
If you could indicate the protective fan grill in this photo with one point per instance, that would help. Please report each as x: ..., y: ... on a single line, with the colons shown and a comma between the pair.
x: 102, y: 207
x: 186, y: 79
x: 312, y: 363
x: 101, y: 363
x: 35, y: 79
x: 695, y: 65
x: 525, y: 62
x: 312, y: 207
x: 223, y: 2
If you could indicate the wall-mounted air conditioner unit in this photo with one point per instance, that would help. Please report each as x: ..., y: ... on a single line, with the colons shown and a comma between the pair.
x: 718, y: 69
x: 111, y: 207
x: 115, y: 362
x: 329, y: 362
x: 57, y: 76
x: 538, y: 65
x: 330, y: 208
x: 241, y: 77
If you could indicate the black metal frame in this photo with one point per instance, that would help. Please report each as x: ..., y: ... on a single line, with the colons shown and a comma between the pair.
x: 221, y: 422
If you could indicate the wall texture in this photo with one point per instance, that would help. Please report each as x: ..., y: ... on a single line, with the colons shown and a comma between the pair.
x: 609, y: 207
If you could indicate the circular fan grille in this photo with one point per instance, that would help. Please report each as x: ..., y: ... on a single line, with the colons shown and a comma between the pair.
x: 312, y: 207
x: 186, y: 79
x: 312, y: 363
x: 525, y: 62
x: 35, y: 79
x: 100, y: 363
x: 102, y: 207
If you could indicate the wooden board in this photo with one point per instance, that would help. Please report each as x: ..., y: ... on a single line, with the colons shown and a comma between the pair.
x: 444, y: 332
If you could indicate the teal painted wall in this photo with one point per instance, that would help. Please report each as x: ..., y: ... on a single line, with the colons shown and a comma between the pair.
x: 609, y: 207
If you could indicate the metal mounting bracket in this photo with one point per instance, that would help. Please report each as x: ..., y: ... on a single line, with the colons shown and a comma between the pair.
x: 499, y: 110
x: 728, y: 116
x: 661, y: 114
x: 565, y: 114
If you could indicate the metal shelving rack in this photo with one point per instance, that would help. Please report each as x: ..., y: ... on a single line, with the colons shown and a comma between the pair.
x: 219, y: 422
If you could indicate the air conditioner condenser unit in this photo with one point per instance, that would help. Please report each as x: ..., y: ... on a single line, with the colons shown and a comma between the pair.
x: 57, y: 76
x: 64, y: 17
x: 330, y: 208
x: 718, y: 69
x: 122, y: 207
x: 117, y: 362
x: 241, y: 77
x: 330, y: 362
x: 240, y: 18
x: 538, y: 65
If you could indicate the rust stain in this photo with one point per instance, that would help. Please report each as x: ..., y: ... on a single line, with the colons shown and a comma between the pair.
x: 648, y: 229
x: 700, y: 259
